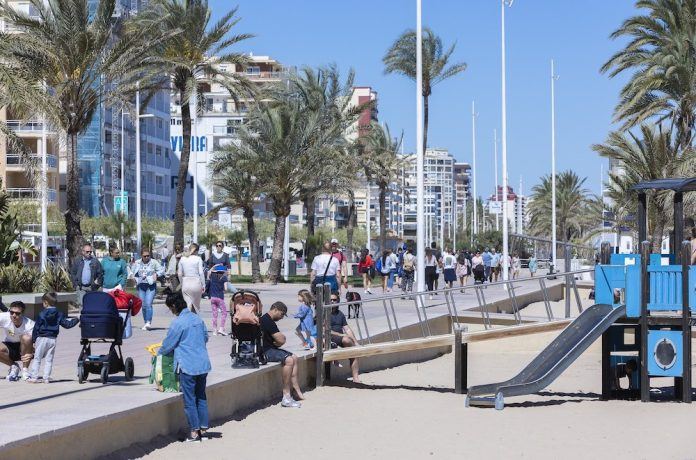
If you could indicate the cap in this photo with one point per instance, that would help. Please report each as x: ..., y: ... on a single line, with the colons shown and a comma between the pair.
x: 218, y: 268
x: 334, y: 240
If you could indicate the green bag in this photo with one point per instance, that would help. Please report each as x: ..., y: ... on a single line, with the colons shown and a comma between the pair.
x: 163, y: 375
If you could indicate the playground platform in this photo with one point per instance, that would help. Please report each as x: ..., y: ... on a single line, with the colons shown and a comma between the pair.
x: 51, y: 420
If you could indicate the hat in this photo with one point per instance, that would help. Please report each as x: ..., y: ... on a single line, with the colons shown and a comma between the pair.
x: 218, y: 268
x: 334, y: 240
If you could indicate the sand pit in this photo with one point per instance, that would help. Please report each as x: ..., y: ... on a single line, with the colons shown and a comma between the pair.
x: 411, y: 412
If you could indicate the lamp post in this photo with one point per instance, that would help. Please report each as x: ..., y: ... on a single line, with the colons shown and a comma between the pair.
x: 194, y: 149
x: 554, y: 77
x: 138, y: 192
x: 44, y: 196
x: 420, y: 198
x: 474, y: 230
x: 495, y: 162
x: 503, y: 4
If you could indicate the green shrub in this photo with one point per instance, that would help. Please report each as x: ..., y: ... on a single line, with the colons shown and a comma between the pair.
x: 18, y: 278
x: 56, y: 278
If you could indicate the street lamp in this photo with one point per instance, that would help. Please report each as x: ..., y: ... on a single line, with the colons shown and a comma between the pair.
x: 503, y: 4
x: 420, y: 198
x: 138, y: 193
x: 554, y: 77
x: 474, y: 230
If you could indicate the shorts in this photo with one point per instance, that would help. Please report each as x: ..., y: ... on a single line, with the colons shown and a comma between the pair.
x: 15, y: 350
x: 336, y: 341
x: 277, y: 355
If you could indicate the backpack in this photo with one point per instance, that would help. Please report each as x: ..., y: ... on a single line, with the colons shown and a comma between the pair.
x: 378, y: 265
x: 408, y: 263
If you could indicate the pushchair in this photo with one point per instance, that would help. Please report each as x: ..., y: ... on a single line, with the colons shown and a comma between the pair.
x: 100, y: 322
x: 479, y: 274
x: 247, y: 352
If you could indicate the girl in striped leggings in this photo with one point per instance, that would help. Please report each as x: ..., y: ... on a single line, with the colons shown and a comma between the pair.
x: 218, y: 278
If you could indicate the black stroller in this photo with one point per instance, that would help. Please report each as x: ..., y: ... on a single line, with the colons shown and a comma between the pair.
x: 100, y: 322
x: 479, y: 274
x: 247, y: 351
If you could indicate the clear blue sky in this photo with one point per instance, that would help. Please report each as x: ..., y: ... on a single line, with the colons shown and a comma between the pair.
x: 357, y: 33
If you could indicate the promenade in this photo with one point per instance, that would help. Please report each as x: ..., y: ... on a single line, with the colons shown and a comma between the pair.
x: 65, y: 409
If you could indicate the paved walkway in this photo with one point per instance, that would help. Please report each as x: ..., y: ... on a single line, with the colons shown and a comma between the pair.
x: 39, y: 408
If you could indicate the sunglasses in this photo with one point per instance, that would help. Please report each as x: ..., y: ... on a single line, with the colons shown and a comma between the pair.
x: 87, y: 252
x: 334, y: 300
x: 15, y: 313
x: 218, y: 245
x: 146, y: 256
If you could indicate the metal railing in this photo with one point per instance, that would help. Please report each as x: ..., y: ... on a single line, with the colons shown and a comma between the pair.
x: 30, y: 194
x: 14, y: 159
x: 27, y: 126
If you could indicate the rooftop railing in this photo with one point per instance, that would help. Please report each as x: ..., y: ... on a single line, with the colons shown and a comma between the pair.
x: 19, y: 193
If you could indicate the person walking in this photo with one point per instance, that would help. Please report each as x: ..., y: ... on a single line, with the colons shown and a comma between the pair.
x: 532, y: 264
x: 192, y: 278
x: 306, y: 328
x: 385, y: 270
x: 86, y: 273
x: 172, y: 274
x: 449, y: 265
x: 326, y: 268
x: 186, y: 339
x: 217, y: 277
x: 515, y: 266
x: 115, y: 270
x: 146, y: 270
x: 430, y: 270
x: 463, y: 268
x: 408, y: 271
x: 364, y: 266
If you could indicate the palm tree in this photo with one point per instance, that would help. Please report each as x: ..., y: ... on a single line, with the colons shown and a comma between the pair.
x: 382, y: 166
x: 651, y: 156
x: 661, y: 58
x: 571, y: 198
x: 190, y: 58
x: 401, y: 59
x: 238, y: 186
x: 61, y: 59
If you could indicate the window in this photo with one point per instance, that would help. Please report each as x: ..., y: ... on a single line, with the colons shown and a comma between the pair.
x: 149, y: 148
x: 160, y: 125
x: 158, y: 151
x: 107, y: 137
x: 253, y: 70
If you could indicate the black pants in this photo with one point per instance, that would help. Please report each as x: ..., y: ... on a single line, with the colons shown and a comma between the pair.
x: 430, y: 277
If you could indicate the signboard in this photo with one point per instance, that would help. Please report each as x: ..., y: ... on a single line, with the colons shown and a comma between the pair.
x: 118, y: 208
x: 495, y: 207
x: 198, y: 143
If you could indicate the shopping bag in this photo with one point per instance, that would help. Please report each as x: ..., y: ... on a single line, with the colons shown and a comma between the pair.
x: 163, y: 375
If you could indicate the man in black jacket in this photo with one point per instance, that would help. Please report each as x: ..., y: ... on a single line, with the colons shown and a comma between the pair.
x: 86, y: 273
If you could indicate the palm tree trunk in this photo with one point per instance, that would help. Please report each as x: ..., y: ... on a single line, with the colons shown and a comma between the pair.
x: 382, y: 217
x: 253, y: 246
x: 278, y: 244
x: 183, y: 172
x: 425, y: 124
x: 350, y: 227
x: 310, y: 205
x: 72, y: 215
x: 658, y: 231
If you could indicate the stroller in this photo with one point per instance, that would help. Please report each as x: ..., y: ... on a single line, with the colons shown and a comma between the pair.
x: 479, y: 274
x: 100, y: 322
x: 247, y: 351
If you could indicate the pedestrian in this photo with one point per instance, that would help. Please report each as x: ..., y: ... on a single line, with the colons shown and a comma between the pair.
x: 186, y: 339
x: 408, y: 271
x: 449, y: 266
x: 463, y: 268
x: 487, y: 257
x: 438, y: 266
x: 364, y: 267
x: 516, y: 265
x: 192, y: 278
x: 325, y: 268
x: 430, y: 270
x: 115, y: 270
x: 146, y: 270
x: 305, y: 329
x: 173, y: 268
x: 217, y: 276
x: 496, y: 262
x: 86, y: 273
x: 44, y: 336
x: 385, y: 270
x: 532, y: 264
x: 342, y: 262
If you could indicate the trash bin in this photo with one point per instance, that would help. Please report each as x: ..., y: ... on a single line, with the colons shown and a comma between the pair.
x: 354, y: 270
x: 292, y: 267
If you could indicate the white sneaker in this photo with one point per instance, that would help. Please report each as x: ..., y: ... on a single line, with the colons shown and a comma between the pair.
x: 222, y: 332
x: 289, y: 402
x: 214, y: 332
x: 13, y: 373
x: 25, y: 374
x: 147, y: 326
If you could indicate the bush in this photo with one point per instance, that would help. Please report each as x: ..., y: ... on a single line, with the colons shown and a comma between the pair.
x: 18, y: 278
x: 56, y: 278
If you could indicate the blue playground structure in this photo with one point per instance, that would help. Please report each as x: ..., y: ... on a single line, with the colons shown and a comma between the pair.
x: 643, y: 316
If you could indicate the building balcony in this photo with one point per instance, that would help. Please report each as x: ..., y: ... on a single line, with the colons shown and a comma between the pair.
x: 15, y: 161
x: 30, y: 194
x: 264, y: 76
x: 31, y: 126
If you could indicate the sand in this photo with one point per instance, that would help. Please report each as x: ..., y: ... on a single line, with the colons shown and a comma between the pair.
x: 411, y: 412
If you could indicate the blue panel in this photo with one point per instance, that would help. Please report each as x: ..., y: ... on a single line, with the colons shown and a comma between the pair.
x: 692, y: 288
x: 673, y: 337
x: 656, y: 259
x: 624, y: 259
x: 634, y: 291
x: 607, y: 279
x: 665, y: 287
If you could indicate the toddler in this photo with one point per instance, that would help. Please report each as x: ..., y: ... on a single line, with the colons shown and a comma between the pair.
x: 306, y: 317
x: 44, y: 336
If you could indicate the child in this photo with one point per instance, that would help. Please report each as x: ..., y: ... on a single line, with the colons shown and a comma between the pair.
x: 218, y: 278
x: 306, y: 317
x: 44, y: 336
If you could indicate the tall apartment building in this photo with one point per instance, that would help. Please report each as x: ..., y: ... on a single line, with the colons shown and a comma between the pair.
x: 439, y: 187
x: 462, y: 193
x: 517, y: 209
x: 215, y: 128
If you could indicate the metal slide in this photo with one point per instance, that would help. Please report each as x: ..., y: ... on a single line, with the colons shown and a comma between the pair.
x: 552, y: 361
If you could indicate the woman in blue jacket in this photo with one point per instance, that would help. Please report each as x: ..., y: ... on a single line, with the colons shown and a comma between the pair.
x: 186, y: 338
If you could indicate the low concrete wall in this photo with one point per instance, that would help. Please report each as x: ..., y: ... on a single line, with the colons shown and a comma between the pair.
x: 555, y: 294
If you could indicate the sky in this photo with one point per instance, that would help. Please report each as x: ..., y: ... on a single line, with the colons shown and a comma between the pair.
x: 575, y: 34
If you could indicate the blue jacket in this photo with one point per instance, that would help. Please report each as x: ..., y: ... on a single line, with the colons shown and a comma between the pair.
x: 217, y: 285
x: 49, y: 321
x: 487, y: 256
x: 187, y: 337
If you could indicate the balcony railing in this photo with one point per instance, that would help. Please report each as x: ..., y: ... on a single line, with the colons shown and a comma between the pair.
x: 264, y: 75
x: 14, y: 159
x: 30, y: 194
x: 26, y: 126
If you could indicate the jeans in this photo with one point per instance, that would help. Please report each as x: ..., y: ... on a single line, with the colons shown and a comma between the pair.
x: 146, y: 292
x: 195, y: 400
x: 390, y: 280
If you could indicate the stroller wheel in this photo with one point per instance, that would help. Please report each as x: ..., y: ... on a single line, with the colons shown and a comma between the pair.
x: 130, y: 369
x: 82, y: 373
x: 105, y: 373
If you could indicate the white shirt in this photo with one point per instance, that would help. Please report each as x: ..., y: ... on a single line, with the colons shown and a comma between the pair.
x: 191, y: 266
x: 448, y: 261
x: 12, y: 332
x: 319, y: 265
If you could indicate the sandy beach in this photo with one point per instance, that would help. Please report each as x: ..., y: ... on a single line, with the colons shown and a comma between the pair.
x: 411, y: 412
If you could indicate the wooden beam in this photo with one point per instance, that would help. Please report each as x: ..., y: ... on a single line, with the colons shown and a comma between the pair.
x: 442, y: 340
